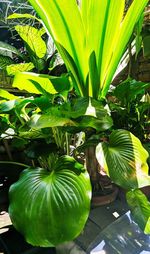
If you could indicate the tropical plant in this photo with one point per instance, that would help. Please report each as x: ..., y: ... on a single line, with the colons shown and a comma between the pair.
x: 94, y: 56
x: 129, y: 104
x: 36, y: 52
x: 91, y: 48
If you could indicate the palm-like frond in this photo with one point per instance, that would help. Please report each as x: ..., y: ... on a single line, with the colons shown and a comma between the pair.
x: 91, y: 37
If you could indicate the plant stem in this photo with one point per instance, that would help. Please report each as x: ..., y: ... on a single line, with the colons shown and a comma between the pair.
x: 67, y: 144
x: 14, y: 163
x: 130, y: 60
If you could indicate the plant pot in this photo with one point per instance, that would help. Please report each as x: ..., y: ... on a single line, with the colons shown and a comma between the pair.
x: 99, y: 199
x: 146, y: 191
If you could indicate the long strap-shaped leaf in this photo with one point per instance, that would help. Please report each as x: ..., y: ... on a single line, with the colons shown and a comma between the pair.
x: 95, y: 32
x: 124, y: 34
x: 104, y: 18
x: 63, y: 20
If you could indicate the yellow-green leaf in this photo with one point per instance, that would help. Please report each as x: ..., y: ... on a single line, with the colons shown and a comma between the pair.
x: 40, y: 83
x: 94, y: 27
x: 21, y: 67
x: 22, y: 15
x: 6, y: 95
x: 32, y: 38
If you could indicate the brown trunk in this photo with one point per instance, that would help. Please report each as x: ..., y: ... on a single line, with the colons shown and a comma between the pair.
x: 91, y: 163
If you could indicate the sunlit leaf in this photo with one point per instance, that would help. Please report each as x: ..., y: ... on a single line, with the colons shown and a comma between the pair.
x: 32, y: 38
x: 6, y: 95
x: 21, y: 67
x: 65, y: 32
x: 36, y: 83
x: 124, y: 158
x: 122, y: 37
x: 51, y: 119
x: 140, y: 208
x: 101, y: 27
x: 22, y: 15
x: 81, y: 114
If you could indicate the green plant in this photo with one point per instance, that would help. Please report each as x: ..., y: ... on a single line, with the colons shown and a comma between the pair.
x: 94, y: 57
x: 129, y: 105
x: 91, y: 53
x: 36, y: 54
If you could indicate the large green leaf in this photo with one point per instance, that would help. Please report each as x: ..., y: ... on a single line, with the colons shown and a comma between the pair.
x: 123, y: 158
x: 51, y: 119
x: 140, y: 208
x: 32, y: 38
x: 84, y: 113
x: 12, y: 69
x: 128, y: 90
x: 56, y: 204
x: 38, y: 83
x: 96, y: 40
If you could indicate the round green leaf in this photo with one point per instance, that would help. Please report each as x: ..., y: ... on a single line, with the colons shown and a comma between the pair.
x: 49, y: 208
x: 124, y: 158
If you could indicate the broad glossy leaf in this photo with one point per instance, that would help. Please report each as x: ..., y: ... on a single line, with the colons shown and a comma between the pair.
x: 36, y: 83
x: 90, y: 113
x: 51, y: 119
x: 129, y: 89
x: 56, y: 204
x: 6, y: 95
x: 124, y: 158
x: 84, y: 106
x: 99, y: 124
x: 84, y: 113
x: 32, y: 38
x: 12, y: 69
x: 140, y: 208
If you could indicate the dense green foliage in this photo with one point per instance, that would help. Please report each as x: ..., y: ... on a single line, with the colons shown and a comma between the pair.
x: 71, y: 112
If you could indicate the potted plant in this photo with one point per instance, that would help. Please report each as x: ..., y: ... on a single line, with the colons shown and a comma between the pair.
x: 91, y: 54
